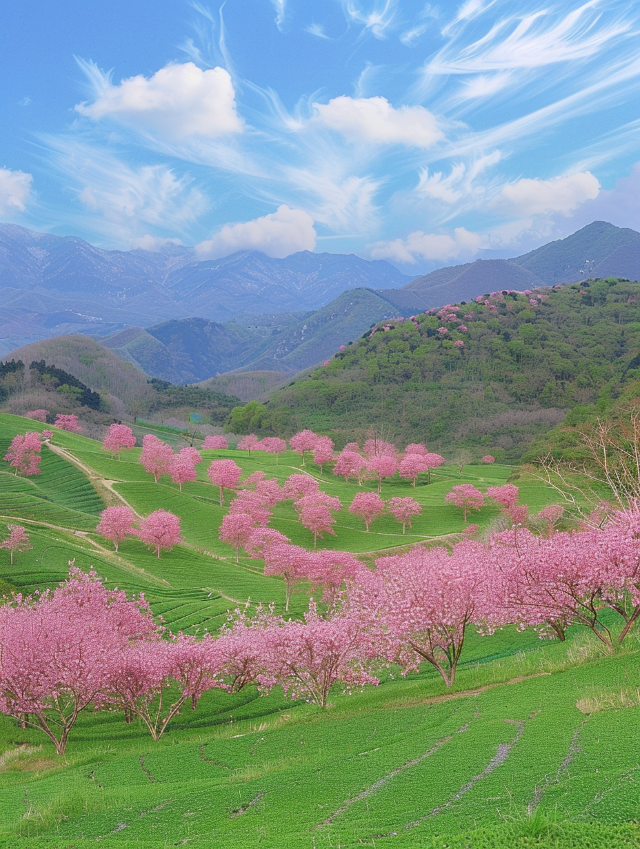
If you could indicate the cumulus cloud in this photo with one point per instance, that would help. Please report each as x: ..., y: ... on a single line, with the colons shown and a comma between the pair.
x: 375, y: 120
x: 439, y: 247
x: 15, y: 188
x: 536, y: 197
x: 178, y: 101
x: 278, y: 234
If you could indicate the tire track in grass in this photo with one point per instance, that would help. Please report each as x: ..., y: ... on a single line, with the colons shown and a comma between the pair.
x: 574, y: 749
x: 504, y: 749
x: 377, y: 785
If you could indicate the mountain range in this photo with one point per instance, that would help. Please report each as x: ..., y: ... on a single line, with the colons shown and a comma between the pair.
x: 170, y: 315
x: 52, y: 285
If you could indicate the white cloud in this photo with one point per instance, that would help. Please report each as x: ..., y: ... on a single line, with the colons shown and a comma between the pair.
x: 153, y: 243
x: 375, y: 120
x: 278, y: 234
x: 280, y: 7
x: 535, y: 197
x: 484, y: 85
x: 15, y: 188
x: 178, y: 101
x: 439, y: 247
x: 460, y: 182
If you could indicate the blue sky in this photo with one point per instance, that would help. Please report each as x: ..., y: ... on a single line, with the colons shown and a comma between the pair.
x: 422, y: 133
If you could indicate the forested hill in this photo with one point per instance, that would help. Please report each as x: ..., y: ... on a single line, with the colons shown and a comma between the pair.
x: 488, y: 376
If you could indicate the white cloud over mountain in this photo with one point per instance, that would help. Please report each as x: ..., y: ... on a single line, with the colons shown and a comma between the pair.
x: 277, y: 234
x: 179, y: 101
x: 439, y: 247
x: 536, y: 197
x: 15, y: 188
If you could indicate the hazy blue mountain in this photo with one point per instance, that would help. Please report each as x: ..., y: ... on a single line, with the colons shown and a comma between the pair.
x: 52, y: 285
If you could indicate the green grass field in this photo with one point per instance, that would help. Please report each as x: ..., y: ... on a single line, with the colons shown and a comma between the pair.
x: 531, y: 747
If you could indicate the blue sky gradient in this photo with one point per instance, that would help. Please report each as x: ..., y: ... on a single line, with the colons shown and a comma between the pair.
x: 422, y: 133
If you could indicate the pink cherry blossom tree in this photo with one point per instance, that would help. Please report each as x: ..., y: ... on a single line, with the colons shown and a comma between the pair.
x: 465, y: 496
x: 323, y: 451
x: 59, y: 648
x: 160, y: 530
x: 138, y: 685
x: 116, y: 524
x: 37, y: 415
x: 412, y: 465
x: 193, y: 455
x: 297, y: 486
x: 434, y: 461
x: 382, y: 466
x: 367, y: 506
x: 418, y: 606
x: 404, y: 509
x: 316, y: 516
x: 307, y: 658
x: 225, y: 474
x: 488, y: 458
x: 68, y: 422
x: 118, y: 436
x: 416, y: 448
x: 215, y: 443
x: 181, y: 469
x: 155, y: 456
x: 18, y: 540
x: 506, y: 495
x: 273, y: 445
x: 236, y: 530
x: 349, y: 464
x: 248, y: 443
x: 289, y: 562
x: 24, y: 453
x: 303, y: 441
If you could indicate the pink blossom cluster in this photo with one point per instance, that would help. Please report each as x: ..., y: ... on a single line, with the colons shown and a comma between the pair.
x: 160, y: 530
x: 24, y: 453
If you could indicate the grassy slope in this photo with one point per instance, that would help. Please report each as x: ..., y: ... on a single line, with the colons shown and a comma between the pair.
x: 521, y: 369
x: 248, y: 771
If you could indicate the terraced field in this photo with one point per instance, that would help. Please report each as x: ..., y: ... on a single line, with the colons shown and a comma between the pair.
x: 505, y: 759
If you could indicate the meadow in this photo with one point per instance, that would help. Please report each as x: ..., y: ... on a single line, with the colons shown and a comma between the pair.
x: 536, y: 744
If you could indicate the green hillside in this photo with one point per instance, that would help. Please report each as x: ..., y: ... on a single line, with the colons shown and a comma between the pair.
x: 535, y: 745
x: 521, y: 368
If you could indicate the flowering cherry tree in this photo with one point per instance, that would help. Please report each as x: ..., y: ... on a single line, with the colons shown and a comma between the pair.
x: 181, y: 469
x: 155, y: 456
x: 24, y: 453
x: 58, y: 650
x: 18, y: 540
x: 303, y: 441
x: 323, y: 451
x: 349, y: 464
x: 249, y: 443
x: 215, y: 442
x: 465, y: 496
x: 290, y: 562
x: 382, y: 466
x: 434, y: 461
x: 315, y: 514
x: 412, y: 465
x: 118, y: 436
x: 273, y: 445
x: 404, y: 509
x: 488, y: 458
x: 236, y: 530
x: 68, y: 422
x: 191, y: 453
x: 297, y: 486
x: 368, y: 506
x: 307, y: 658
x: 116, y: 524
x: 160, y: 530
x: 506, y: 495
x: 225, y: 474
x: 37, y: 415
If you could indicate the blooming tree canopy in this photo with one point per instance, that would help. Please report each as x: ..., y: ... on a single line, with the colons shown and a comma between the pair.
x: 215, y: 442
x: 116, y: 524
x: 404, y: 509
x: 368, y: 506
x: 160, y: 530
x: 155, y: 456
x: 118, y: 436
x: 24, y: 453
x: 225, y: 474
x: 465, y: 496
x: 18, y: 540
x: 68, y: 422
